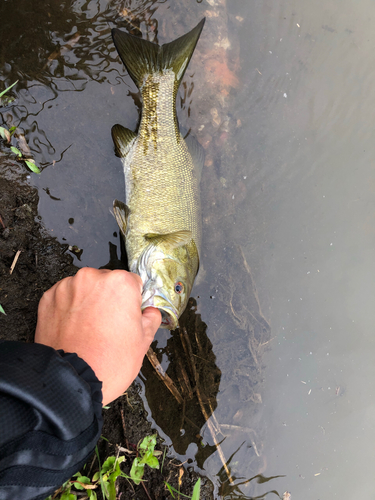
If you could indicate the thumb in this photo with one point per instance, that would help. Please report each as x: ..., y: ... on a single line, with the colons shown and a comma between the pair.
x: 151, y: 319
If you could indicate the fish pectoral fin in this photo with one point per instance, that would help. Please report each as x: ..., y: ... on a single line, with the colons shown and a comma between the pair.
x: 197, y: 155
x: 123, y: 139
x: 121, y: 213
x: 176, y: 239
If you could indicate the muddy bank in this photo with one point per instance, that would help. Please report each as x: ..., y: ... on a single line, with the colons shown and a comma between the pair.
x: 42, y: 261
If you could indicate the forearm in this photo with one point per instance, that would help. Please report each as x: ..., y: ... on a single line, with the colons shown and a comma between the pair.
x: 50, y: 418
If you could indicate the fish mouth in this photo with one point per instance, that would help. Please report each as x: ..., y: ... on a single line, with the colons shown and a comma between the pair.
x: 168, y: 319
x: 169, y: 316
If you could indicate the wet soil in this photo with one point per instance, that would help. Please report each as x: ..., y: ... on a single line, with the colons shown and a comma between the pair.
x: 41, y: 263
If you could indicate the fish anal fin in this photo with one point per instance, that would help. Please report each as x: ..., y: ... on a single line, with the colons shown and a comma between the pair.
x: 123, y: 139
x: 175, y: 239
x: 121, y: 213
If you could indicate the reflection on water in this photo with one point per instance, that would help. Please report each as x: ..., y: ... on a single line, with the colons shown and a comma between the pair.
x: 192, y: 366
x: 280, y: 95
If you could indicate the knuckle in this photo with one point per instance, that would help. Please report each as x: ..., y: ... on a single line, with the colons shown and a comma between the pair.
x: 85, y: 272
x: 119, y: 277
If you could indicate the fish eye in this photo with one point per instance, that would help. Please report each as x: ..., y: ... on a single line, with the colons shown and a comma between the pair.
x: 179, y: 287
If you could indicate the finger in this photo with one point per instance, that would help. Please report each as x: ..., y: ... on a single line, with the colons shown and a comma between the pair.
x: 138, y: 279
x: 151, y: 319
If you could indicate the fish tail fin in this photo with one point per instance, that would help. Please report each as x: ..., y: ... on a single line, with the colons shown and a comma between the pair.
x: 142, y: 58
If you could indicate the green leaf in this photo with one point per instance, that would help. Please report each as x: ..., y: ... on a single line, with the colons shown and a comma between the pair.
x: 150, y: 460
x: 32, y: 166
x: 2, y: 310
x: 153, y: 463
x: 92, y: 494
x: 137, y: 471
x: 16, y: 151
x: 81, y: 479
x: 104, y: 487
x: 148, y: 443
x: 12, y: 130
x: 162, y: 463
x: 169, y: 488
x: 68, y: 496
x: 111, y: 491
x: 108, y: 464
x: 6, y: 90
x: 196, y: 490
x: 102, y: 483
x: 5, y: 134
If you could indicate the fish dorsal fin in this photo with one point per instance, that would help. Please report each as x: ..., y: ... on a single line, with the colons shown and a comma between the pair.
x: 142, y: 58
x: 121, y: 213
x: 197, y: 155
x: 176, y: 239
x: 122, y: 138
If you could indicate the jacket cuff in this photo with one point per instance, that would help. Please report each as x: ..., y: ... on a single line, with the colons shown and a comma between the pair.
x: 88, y: 375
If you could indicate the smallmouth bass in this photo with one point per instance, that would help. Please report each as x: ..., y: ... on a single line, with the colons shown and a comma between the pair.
x: 160, y: 219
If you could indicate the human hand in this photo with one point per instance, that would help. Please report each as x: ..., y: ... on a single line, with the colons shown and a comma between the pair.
x: 97, y: 314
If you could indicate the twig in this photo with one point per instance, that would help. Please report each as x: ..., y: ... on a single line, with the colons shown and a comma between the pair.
x: 123, y: 423
x: 144, y: 487
x: 92, y: 465
x: 185, y: 378
x: 183, y: 414
x: 163, y: 376
x: 15, y: 261
x: 210, y: 425
x: 2, y: 223
x: 190, y: 422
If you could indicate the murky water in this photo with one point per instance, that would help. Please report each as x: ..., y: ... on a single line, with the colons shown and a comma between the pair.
x: 281, y: 95
x: 313, y: 252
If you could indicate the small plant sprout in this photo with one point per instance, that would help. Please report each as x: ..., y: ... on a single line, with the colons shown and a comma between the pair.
x: 16, y: 151
x: 6, y: 90
x: 2, y: 310
x: 146, y: 456
x: 32, y: 165
x: 107, y: 476
x: 5, y: 101
x: 7, y: 136
x: 110, y: 471
x: 4, y: 133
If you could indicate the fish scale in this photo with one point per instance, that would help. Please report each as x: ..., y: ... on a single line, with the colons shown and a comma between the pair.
x: 156, y: 178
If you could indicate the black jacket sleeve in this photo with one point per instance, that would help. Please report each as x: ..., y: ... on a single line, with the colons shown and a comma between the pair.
x: 50, y: 418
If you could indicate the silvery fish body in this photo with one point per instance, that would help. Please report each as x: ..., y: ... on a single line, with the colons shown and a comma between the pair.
x: 160, y: 219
